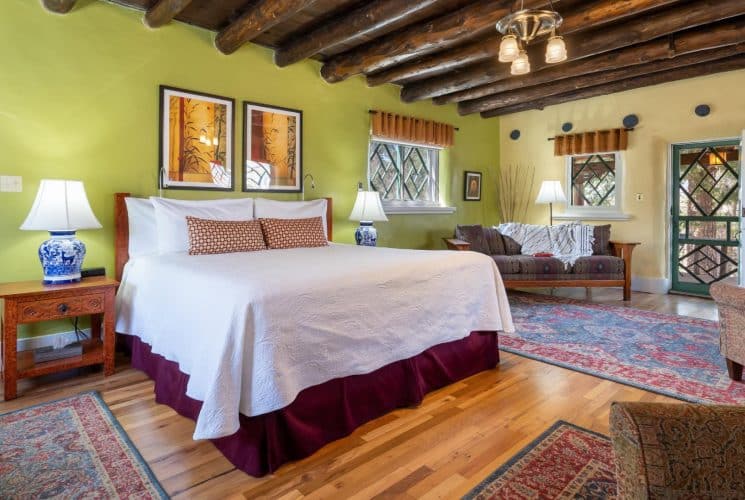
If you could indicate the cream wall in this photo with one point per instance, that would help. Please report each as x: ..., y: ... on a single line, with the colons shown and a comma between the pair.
x: 665, y: 117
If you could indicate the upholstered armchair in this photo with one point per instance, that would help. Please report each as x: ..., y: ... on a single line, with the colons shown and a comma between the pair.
x: 730, y: 300
x: 678, y: 450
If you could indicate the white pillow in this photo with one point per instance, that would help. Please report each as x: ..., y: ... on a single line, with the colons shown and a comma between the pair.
x: 143, y: 235
x: 273, y: 209
x: 170, y: 218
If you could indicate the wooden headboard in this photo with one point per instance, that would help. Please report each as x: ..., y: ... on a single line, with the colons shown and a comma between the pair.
x: 121, y: 224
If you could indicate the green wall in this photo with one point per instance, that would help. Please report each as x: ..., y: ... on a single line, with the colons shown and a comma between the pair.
x: 79, y: 100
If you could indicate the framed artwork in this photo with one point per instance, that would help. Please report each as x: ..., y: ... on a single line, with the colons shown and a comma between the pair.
x: 273, y: 156
x: 196, y: 140
x: 472, y: 186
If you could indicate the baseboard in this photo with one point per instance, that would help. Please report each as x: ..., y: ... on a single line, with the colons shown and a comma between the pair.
x: 650, y: 285
x: 55, y: 340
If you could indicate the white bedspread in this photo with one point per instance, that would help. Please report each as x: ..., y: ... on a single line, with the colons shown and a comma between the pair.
x: 254, y: 329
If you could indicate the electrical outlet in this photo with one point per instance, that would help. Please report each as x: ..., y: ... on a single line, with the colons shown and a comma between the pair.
x: 639, y: 197
x: 11, y: 183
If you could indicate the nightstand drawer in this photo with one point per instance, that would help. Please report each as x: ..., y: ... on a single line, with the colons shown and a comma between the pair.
x: 42, y: 310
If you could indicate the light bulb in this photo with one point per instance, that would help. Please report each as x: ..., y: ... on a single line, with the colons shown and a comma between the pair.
x: 203, y: 139
x: 521, y: 65
x: 508, y: 48
x: 215, y: 141
x: 556, y: 50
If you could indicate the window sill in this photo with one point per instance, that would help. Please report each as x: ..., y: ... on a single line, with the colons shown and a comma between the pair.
x: 593, y: 216
x: 417, y: 210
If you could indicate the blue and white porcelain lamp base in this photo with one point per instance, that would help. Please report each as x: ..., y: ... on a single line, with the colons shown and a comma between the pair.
x: 366, y: 234
x: 61, y: 258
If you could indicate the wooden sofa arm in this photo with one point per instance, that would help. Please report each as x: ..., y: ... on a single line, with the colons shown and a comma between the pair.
x: 624, y: 250
x: 456, y: 244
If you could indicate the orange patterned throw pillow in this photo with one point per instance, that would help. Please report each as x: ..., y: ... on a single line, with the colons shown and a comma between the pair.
x: 294, y: 233
x: 224, y: 236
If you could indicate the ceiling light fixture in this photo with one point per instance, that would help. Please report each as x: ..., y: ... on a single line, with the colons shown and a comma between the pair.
x: 522, y: 27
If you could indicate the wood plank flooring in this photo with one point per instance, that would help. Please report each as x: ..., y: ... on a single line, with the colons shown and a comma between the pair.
x: 441, y: 449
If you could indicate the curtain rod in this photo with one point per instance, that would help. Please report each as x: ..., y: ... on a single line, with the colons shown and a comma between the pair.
x: 579, y: 133
x: 372, y: 111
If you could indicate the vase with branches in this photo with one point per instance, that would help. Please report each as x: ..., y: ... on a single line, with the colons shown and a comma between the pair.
x: 514, y: 189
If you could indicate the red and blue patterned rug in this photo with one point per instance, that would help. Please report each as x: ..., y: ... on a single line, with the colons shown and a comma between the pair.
x: 71, y: 448
x: 677, y: 356
x: 566, y: 461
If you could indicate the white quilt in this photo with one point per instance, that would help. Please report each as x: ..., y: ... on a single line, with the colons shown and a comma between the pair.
x: 567, y: 242
x: 254, y: 329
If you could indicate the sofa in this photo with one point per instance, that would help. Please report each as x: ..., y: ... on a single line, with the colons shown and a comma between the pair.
x: 678, y: 450
x: 608, y: 266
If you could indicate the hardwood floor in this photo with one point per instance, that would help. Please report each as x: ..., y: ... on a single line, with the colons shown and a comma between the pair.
x: 440, y: 449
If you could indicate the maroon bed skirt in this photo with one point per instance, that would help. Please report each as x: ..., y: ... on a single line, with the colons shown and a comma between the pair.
x: 328, y: 411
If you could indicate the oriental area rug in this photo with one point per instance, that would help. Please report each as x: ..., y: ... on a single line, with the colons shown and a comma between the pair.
x: 676, y: 356
x: 566, y: 461
x: 71, y: 448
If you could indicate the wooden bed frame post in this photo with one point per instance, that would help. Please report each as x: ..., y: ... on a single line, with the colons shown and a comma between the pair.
x: 121, y: 237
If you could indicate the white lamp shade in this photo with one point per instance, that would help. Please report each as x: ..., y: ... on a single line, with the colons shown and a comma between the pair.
x: 368, y: 207
x: 521, y: 65
x: 60, y: 206
x: 508, y: 49
x: 556, y: 50
x: 551, y: 192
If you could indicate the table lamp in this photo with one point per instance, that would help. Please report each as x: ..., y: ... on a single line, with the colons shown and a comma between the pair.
x: 61, y: 207
x: 367, y: 209
x: 551, y: 192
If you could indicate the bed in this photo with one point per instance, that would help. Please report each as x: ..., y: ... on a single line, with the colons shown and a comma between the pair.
x: 276, y: 353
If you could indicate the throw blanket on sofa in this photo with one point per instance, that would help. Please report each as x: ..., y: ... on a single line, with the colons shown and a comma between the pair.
x: 567, y: 242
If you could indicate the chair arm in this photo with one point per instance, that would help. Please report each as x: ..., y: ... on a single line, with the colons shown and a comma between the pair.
x: 456, y: 244
x: 727, y: 294
x: 665, y: 450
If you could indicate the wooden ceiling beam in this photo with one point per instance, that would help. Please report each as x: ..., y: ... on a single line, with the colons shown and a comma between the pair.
x: 590, y: 15
x: 263, y: 15
x: 583, y: 45
x: 59, y: 6
x: 516, y: 97
x: 470, y: 22
x: 696, y: 70
x: 163, y: 12
x: 369, y: 18
x: 708, y: 37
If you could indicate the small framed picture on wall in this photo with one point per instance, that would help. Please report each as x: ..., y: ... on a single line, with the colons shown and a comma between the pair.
x: 472, y: 186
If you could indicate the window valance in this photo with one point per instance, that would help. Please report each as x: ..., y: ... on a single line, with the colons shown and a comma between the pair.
x: 413, y: 130
x: 598, y: 141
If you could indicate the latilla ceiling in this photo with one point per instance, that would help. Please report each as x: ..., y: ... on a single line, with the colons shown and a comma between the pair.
x: 446, y: 50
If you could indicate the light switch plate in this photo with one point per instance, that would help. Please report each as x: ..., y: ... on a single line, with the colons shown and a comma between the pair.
x: 11, y: 183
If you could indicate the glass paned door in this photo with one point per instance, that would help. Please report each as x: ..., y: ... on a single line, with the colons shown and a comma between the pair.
x: 705, y: 215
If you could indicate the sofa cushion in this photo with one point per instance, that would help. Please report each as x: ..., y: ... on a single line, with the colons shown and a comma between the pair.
x: 511, y: 247
x: 507, y: 264
x: 473, y: 234
x: 541, y: 265
x: 601, y: 245
x: 599, y: 264
x: 494, y: 241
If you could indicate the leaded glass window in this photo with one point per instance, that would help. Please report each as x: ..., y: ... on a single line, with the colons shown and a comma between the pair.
x: 404, y: 172
x: 594, y: 181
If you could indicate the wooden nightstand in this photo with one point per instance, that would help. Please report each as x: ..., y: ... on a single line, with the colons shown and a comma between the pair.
x: 31, y: 302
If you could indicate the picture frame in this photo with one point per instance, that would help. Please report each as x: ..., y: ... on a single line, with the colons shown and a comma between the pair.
x: 196, y: 140
x: 272, y: 148
x: 472, y: 186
